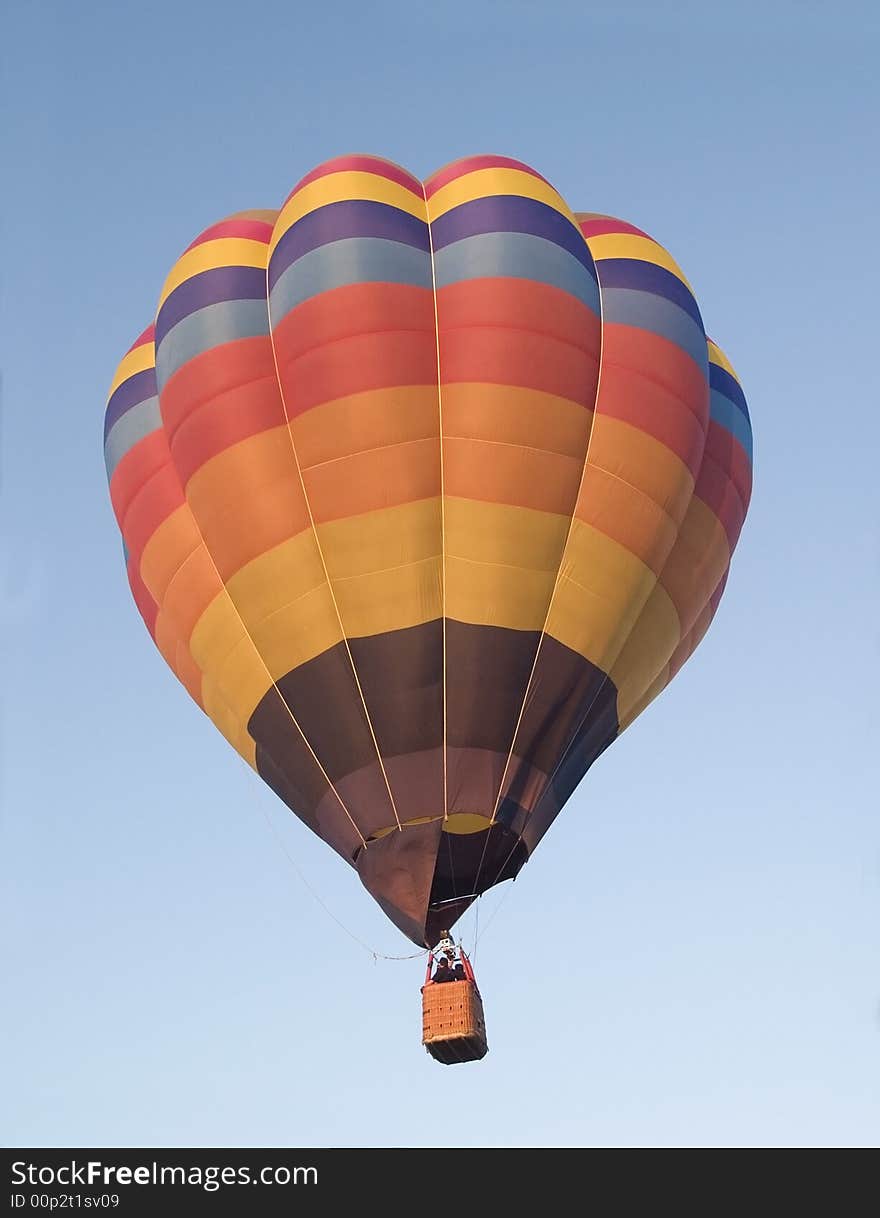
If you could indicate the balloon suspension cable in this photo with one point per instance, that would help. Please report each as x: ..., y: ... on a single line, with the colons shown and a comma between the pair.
x: 329, y: 912
x: 477, y: 932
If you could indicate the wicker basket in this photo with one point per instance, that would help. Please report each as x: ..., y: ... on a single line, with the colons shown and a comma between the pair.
x: 453, y: 1027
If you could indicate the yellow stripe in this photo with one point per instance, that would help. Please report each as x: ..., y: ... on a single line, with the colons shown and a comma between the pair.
x: 698, y: 560
x: 221, y: 648
x: 645, y: 701
x: 225, y: 251
x: 717, y: 356
x: 395, y: 599
x: 653, y: 640
x: 501, y: 562
x: 496, y: 181
x: 280, y: 603
x: 380, y: 540
x: 341, y: 187
x: 297, y: 633
x: 139, y: 360
x: 494, y: 533
x: 602, y: 590
x: 225, y: 719
x: 487, y: 595
x: 642, y: 249
x: 276, y: 578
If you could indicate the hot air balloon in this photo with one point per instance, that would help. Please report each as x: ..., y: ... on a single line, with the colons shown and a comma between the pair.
x: 426, y: 490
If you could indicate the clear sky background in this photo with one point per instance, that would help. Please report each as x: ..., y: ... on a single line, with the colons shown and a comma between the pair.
x: 691, y: 958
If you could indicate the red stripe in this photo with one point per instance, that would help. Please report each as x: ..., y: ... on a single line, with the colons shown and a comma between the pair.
x: 146, y: 606
x: 628, y: 394
x: 252, y: 230
x: 690, y: 642
x: 135, y: 468
x: 471, y: 164
x: 719, y: 494
x: 521, y: 305
x: 598, y: 226
x: 146, y: 337
x: 358, y: 308
x: 658, y: 359
x: 216, y: 424
x: 727, y: 452
x: 716, y: 596
x: 154, y: 502
x: 355, y: 364
x: 497, y: 356
x: 213, y: 373
x: 361, y: 164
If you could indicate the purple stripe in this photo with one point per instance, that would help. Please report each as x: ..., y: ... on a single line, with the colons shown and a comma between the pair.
x: 647, y: 277
x: 130, y: 393
x: 720, y: 379
x: 511, y: 214
x: 210, y: 287
x: 349, y: 218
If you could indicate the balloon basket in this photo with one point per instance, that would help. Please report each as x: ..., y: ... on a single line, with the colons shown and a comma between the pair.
x: 453, y: 1025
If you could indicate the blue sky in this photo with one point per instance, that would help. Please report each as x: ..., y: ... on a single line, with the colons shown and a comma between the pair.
x: 691, y: 958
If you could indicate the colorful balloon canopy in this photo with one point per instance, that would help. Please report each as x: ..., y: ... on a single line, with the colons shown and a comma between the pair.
x: 426, y: 491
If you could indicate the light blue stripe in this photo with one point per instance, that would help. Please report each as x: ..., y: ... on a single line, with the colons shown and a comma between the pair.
x: 727, y: 414
x: 209, y: 327
x: 342, y: 263
x: 516, y: 256
x: 128, y: 429
x: 658, y: 315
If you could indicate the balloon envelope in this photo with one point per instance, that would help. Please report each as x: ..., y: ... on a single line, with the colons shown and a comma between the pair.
x: 426, y: 491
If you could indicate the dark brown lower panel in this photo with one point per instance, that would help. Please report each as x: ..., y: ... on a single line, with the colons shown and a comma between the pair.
x: 397, y: 871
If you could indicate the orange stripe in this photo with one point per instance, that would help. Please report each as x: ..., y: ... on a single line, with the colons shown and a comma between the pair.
x: 520, y: 416
x: 366, y: 420
x: 193, y: 588
x: 505, y: 473
x: 380, y: 478
x: 177, y: 657
x: 248, y: 499
x: 171, y: 544
x: 624, y: 514
x: 630, y: 453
